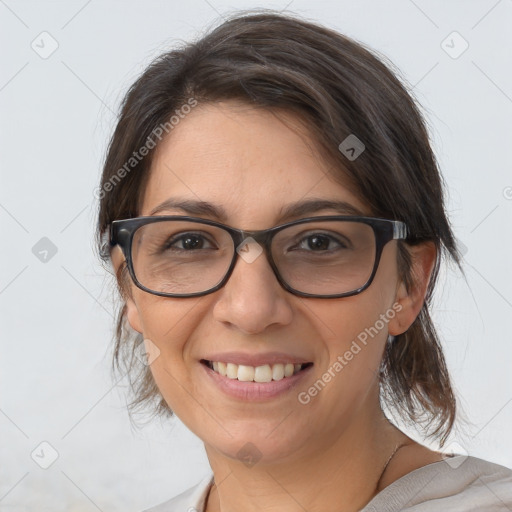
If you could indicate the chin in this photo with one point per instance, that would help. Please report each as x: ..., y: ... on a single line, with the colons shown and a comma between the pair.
x: 260, y: 444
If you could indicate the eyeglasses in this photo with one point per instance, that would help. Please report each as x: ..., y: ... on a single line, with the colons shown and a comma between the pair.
x: 181, y: 256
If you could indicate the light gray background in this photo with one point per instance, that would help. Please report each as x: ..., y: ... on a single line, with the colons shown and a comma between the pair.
x: 56, y: 316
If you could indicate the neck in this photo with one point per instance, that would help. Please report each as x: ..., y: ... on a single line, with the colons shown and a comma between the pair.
x: 342, y: 467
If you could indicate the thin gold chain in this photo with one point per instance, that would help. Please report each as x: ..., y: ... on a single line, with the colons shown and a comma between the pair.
x: 397, y: 447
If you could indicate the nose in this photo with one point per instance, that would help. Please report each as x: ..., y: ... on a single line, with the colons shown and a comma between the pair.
x: 253, y: 299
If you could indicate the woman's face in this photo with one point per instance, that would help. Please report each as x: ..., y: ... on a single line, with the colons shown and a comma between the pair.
x: 252, y: 165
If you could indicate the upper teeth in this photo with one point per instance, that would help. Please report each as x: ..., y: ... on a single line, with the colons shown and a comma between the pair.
x: 264, y: 373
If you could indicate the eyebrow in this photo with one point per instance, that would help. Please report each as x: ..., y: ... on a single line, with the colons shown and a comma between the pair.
x: 286, y: 213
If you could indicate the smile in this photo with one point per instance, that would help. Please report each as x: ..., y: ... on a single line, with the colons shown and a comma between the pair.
x: 261, y: 374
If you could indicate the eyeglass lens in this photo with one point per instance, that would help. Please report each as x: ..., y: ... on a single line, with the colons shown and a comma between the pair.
x: 318, y: 257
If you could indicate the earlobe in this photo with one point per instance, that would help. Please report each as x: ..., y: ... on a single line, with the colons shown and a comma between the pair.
x: 132, y: 313
x: 398, y: 324
x: 409, y: 302
x: 117, y: 259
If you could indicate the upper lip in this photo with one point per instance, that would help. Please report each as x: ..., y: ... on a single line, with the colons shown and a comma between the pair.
x: 245, y: 359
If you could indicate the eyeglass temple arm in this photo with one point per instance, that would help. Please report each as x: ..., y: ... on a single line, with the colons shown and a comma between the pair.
x: 400, y: 230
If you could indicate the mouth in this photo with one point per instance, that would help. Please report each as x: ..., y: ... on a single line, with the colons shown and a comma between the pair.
x: 258, y: 374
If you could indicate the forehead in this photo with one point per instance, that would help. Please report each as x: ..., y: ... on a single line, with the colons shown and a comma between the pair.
x: 246, y: 160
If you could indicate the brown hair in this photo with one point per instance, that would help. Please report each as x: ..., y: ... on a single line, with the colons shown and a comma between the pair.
x: 338, y: 87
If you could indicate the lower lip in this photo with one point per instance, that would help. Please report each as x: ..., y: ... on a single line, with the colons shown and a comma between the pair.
x: 254, y: 391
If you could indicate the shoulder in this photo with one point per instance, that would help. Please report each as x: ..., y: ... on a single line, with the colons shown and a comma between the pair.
x: 191, y: 500
x: 458, y: 483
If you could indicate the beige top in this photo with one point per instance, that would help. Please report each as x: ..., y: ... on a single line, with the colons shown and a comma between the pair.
x: 457, y: 484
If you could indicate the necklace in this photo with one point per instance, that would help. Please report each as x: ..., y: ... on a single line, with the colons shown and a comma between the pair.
x: 397, y: 447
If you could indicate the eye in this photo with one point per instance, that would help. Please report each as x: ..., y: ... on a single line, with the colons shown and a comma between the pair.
x: 320, y: 242
x: 187, y: 242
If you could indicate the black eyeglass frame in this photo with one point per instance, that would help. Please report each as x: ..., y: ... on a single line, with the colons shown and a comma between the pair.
x: 385, y: 230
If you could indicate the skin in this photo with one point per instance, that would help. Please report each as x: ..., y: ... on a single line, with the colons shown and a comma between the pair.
x: 340, y: 441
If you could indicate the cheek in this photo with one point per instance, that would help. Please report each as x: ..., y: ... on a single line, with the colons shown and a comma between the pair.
x: 169, y: 324
x: 166, y: 321
x: 354, y: 333
x: 350, y: 321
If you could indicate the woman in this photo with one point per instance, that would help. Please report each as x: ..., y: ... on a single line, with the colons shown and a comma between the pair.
x: 280, y: 345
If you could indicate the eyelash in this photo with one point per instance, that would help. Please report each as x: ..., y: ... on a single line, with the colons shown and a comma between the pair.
x: 303, y: 237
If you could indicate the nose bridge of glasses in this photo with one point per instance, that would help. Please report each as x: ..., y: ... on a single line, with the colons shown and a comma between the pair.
x: 260, y: 236
x: 249, y: 244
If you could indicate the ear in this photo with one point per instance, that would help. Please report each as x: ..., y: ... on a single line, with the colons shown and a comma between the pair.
x: 132, y: 313
x: 423, y: 258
